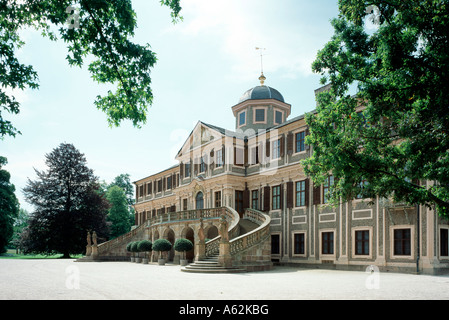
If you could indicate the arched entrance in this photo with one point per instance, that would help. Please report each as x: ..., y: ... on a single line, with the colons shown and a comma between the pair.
x: 199, y: 200
x: 189, y: 234
x: 169, y: 234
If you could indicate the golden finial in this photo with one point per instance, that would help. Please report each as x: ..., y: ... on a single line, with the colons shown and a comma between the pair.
x: 262, y: 77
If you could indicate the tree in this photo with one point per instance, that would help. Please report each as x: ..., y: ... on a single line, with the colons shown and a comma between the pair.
x: 9, y: 206
x: 99, y: 30
x: 118, y: 214
x: 183, y: 245
x: 67, y: 204
x: 394, y: 133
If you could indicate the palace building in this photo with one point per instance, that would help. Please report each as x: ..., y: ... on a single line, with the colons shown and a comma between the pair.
x: 257, y: 168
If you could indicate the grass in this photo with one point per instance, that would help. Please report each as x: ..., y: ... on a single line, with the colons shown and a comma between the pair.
x: 11, y: 254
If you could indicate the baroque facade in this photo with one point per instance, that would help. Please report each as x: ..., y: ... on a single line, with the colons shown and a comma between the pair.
x: 257, y: 166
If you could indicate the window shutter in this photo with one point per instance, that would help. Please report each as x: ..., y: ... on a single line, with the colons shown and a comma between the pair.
x: 223, y: 157
x: 266, y: 198
x: 181, y: 170
x: 290, y: 143
x: 281, y: 198
x: 282, y: 147
x: 290, y: 194
x: 245, y: 199
x: 267, y: 148
x: 317, y: 195
x: 307, y: 183
x: 163, y: 183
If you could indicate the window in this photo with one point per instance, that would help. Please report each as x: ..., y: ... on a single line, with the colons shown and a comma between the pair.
x: 260, y: 115
x: 444, y: 242
x: 327, y: 243
x: 187, y: 169
x: 362, y: 185
x: 219, y: 160
x: 402, y: 242
x: 276, y: 146
x: 169, y: 182
x: 276, y: 198
x: 254, y: 155
x: 298, y: 243
x: 275, y: 244
x: 217, y: 199
x: 300, y: 141
x: 202, y: 165
x: 184, y: 204
x: 278, y: 117
x: 159, y: 186
x: 362, y: 242
x: 255, y: 199
x: 242, y: 118
x: 328, y: 183
x: 301, y: 193
x: 239, y: 201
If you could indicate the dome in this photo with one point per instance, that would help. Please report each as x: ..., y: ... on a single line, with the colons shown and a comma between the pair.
x: 261, y: 92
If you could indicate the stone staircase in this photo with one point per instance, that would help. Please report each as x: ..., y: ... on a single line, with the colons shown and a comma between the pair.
x: 210, y: 265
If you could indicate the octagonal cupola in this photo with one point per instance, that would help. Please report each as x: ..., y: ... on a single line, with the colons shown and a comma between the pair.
x: 261, y: 107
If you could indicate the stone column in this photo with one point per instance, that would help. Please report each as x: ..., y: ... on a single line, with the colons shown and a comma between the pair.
x: 89, y: 245
x: 94, y: 247
x: 201, y: 244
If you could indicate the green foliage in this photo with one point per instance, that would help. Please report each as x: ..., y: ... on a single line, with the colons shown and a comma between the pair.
x: 182, y: 244
x: 118, y: 214
x: 144, y: 246
x: 135, y: 246
x: 162, y: 245
x: 66, y: 202
x: 401, y: 70
x: 101, y: 30
x: 9, y: 206
x: 129, y: 246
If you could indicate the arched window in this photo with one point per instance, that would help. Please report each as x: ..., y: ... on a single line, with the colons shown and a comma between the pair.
x: 199, y: 200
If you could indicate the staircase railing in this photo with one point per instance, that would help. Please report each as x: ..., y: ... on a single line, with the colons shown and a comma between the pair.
x: 255, y: 236
x: 212, y: 246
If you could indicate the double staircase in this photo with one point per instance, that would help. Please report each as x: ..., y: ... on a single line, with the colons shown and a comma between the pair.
x: 249, y: 245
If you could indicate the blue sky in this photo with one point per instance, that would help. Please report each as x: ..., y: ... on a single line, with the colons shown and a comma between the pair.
x: 205, y: 64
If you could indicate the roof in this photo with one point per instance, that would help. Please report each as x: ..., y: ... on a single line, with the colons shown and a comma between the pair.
x: 260, y: 93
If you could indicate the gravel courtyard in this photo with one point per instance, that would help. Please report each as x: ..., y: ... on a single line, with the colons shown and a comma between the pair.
x: 58, y: 279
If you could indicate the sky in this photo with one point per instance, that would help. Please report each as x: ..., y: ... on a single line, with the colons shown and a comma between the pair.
x: 205, y: 64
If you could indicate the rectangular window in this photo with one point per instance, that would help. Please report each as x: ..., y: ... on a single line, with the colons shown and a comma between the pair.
x: 298, y: 243
x: 202, y: 165
x: 328, y: 183
x: 275, y: 244
x: 187, y: 168
x: 276, y: 198
x: 242, y: 118
x: 239, y: 201
x: 444, y: 242
x: 402, y: 242
x: 254, y: 155
x: 362, y: 242
x: 327, y: 243
x: 184, y: 204
x: 219, y: 159
x: 300, y: 141
x: 159, y: 186
x: 276, y: 146
x: 301, y: 193
x: 255, y: 199
x: 169, y: 182
x: 217, y: 199
x: 260, y: 115
x: 278, y: 117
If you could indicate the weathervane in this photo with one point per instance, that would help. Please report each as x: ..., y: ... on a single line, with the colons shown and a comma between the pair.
x: 262, y: 77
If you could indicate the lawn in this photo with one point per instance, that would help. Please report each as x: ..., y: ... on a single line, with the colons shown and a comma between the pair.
x: 11, y: 254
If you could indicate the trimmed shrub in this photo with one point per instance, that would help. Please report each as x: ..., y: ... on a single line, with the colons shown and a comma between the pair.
x: 145, y: 246
x: 162, y: 245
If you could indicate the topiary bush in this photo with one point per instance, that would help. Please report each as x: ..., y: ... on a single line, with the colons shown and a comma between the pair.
x: 145, y: 246
x: 162, y: 245
x: 183, y: 245
x: 134, y: 247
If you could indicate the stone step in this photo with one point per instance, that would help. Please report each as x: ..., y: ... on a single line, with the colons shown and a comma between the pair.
x: 211, y: 269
